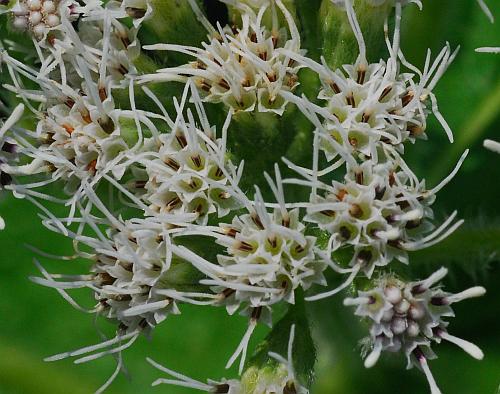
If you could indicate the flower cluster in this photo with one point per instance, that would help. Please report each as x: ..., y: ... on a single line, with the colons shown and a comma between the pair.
x: 381, y: 210
x: 243, y: 67
x: 37, y: 16
x: 189, y: 173
x: 155, y: 187
x: 374, y: 105
x: 408, y: 317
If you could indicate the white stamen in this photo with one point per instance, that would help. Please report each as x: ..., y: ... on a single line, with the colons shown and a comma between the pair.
x: 473, y: 292
x: 467, y: 346
x: 494, y: 146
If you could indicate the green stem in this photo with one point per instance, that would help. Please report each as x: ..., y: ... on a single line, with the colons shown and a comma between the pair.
x: 304, y: 350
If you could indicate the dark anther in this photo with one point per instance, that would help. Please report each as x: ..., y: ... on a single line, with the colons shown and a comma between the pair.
x: 173, y: 203
x: 290, y: 388
x: 361, y: 76
x: 223, y: 84
x: 275, y: 41
x: 135, y: 13
x: 222, y: 388
x: 364, y: 256
x: 299, y: 249
x: 285, y: 222
x: 335, y: 87
x: 196, y: 160
x: 411, y: 224
x: 256, y: 312
x: 271, y: 77
x: 245, y: 247
x: 350, y: 100
x: 379, y: 192
x: 359, y: 177
x: 181, y: 139
x: 219, y: 173
x: 439, y: 301
x: 5, y: 179
x: 122, y: 69
x: 206, y: 86
x: 345, y: 233
x: 103, y: 95
x: 419, y: 354
x: 272, y: 242
x: 140, y: 184
x: 405, y: 100
x: 356, y: 211
x: 415, y: 130
x: 386, y: 91
x: 365, y: 117
x: 392, y: 179
x: 107, y: 125
x: 231, y: 232
x: 257, y: 221
x: 228, y: 292
x: 341, y: 194
x: 395, y: 243
x: 172, y: 163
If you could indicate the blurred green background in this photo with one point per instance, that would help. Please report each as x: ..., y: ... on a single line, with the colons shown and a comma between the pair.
x: 36, y: 322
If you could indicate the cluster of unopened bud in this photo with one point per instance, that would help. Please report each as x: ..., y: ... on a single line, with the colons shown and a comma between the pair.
x: 36, y: 16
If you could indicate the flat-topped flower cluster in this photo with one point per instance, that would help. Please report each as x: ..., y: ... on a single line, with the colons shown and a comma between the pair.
x: 150, y: 184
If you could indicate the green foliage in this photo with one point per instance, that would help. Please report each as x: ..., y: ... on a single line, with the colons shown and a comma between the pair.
x: 38, y: 324
x: 304, y: 350
x: 339, y: 44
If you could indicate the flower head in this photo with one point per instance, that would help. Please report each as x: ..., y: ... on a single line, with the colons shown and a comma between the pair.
x: 190, y: 171
x: 408, y: 317
x: 242, y: 67
x: 38, y: 16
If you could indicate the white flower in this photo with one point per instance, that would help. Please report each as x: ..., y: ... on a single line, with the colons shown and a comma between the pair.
x: 189, y: 171
x: 74, y: 142
x: 267, y: 255
x: 130, y: 270
x: 408, y: 317
x: 242, y: 67
x: 8, y: 148
x: 380, y: 211
x: 136, y: 280
x: 267, y: 252
x: 373, y: 108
